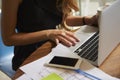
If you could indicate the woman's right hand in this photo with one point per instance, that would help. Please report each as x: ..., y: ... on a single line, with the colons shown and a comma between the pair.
x: 62, y: 36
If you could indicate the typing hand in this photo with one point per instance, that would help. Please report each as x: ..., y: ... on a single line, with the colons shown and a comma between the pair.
x: 62, y: 36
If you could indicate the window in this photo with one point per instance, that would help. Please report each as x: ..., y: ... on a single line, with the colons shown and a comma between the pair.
x: 89, y: 7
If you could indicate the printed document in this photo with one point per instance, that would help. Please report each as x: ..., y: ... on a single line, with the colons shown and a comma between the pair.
x: 37, y: 71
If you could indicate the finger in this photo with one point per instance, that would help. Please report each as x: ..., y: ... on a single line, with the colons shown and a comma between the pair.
x: 70, y: 34
x: 65, y: 41
x: 68, y: 38
x: 56, y: 41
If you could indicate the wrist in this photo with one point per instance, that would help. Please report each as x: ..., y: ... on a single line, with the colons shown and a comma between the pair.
x: 48, y: 34
x: 87, y: 20
x: 83, y: 20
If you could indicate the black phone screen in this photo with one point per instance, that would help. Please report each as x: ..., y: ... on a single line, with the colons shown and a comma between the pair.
x: 64, y: 61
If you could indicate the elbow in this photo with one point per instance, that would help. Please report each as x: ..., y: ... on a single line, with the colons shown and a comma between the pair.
x: 8, y: 39
x: 7, y: 42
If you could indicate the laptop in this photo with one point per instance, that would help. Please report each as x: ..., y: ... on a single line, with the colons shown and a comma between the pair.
x: 96, y: 44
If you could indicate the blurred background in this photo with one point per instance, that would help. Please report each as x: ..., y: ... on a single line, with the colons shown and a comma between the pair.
x: 6, y: 54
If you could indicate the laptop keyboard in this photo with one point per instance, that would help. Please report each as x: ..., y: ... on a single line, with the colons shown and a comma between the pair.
x: 89, y: 50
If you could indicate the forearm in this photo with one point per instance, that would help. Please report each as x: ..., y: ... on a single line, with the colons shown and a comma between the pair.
x: 74, y: 21
x: 79, y: 20
x: 17, y: 39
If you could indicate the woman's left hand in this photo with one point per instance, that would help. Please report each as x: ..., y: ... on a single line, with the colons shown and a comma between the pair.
x: 95, y: 20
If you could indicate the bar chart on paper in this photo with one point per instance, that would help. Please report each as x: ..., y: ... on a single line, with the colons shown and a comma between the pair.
x: 41, y: 72
x: 57, y: 74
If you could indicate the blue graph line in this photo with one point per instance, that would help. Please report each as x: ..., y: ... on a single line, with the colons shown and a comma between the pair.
x: 87, y: 75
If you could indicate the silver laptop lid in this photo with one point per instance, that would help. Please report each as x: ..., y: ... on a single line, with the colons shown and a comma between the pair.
x: 109, y: 30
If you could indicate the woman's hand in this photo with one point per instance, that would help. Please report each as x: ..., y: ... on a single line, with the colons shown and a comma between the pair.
x: 61, y: 36
x: 94, y: 20
x: 91, y: 20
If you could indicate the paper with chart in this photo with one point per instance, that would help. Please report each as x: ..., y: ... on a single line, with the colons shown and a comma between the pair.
x: 41, y: 72
x: 37, y: 71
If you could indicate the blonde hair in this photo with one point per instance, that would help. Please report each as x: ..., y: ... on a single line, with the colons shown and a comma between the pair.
x: 67, y: 6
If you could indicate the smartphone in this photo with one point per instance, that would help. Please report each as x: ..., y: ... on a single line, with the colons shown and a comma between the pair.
x: 64, y: 62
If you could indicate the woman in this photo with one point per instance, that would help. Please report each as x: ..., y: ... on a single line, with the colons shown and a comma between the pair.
x: 27, y: 24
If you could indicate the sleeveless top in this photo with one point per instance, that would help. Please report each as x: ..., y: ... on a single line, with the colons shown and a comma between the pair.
x: 34, y: 15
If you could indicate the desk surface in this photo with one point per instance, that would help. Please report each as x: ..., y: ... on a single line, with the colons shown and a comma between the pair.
x: 111, y: 65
